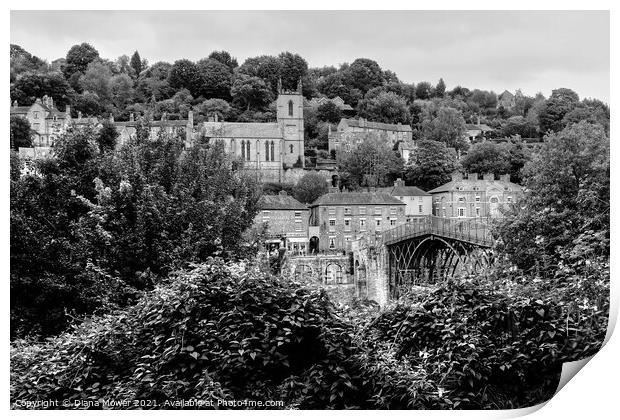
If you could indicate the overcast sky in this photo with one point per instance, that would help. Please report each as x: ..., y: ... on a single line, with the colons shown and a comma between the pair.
x: 531, y: 50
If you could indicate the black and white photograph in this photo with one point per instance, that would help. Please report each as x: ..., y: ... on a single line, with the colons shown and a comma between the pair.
x: 306, y: 209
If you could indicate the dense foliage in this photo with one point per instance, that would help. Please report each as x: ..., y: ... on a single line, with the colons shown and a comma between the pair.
x: 92, y: 225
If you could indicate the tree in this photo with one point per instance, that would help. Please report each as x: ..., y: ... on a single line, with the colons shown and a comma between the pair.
x: 154, y: 82
x: 184, y: 74
x: 225, y: 58
x: 563, y: 218
x: 250, y: 92
x: 214, y: 106
x: 370, y: 162
x: 89, y: 104
x: 22, y: 61
x: 293, y: 68
x: 215, y: 79
x: 96, y: 79
x: 431, y: 165
x: 364, y: 74
x: 386, y: 107
x: 440, y: 89
x: 266, y: 67
x: 31, y: 86
x: 78, y: 58
x: 447, y: 127
x: 121, y: 90
x: 487, y: 157
x: 590, y: 110
x: 423, y: 90
x: 518, y: 126
x: 136, y: 64
x: 329, y: 112
x: 560, y: 103
x: 482, y: 100
x: 106, y: 137
x: 310, y: 187
x: 21, y: 134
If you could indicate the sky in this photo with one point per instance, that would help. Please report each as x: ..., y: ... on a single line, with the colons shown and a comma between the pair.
x: 535, y: 51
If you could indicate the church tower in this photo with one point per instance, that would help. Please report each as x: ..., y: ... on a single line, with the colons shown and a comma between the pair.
x: 290, y: 114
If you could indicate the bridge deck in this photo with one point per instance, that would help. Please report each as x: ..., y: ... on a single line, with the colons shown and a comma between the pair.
x: 472, y: 230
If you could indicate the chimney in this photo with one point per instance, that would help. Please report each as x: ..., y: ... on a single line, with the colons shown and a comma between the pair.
x: 283, y: 193
x: 472, y: 176
x: 362, y: 122
x: 111, y: 117
x: 488, y: 176
x: 333, y: 189
x: 163, y: 116
x: 216, y: 117
x: 190, y: 118
x: 210, y: 118
x: 67, y: 111
x: 131, y: 117
x: 399, y: 183
x: 51, y: 102
x: 299, y: 87
x: 504, y: 178
x: 79, y: 115
x: 15, y: 103
x: 456, y: 176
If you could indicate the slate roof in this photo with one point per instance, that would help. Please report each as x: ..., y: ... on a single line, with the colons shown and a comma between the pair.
x: 405, y: 191
x: 356, y: 198
x: 469, y: 184
x: 20, y: 109
x: 376, y: 125
x: 241, y: 130
x: 165, y: 123
x: 482, y: 127
x: 280, y: 202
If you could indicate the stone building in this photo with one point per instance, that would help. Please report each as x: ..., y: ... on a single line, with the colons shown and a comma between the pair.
x: 349, y: 130
x: 338, y: 101
x: 474, y: 197
x: 183, y: 128
x: 268, y: 149
x: 337, y: 218
x: 286, y: 220
x: 46, y: 121
x: 418, y: 202
x: 506, y: 100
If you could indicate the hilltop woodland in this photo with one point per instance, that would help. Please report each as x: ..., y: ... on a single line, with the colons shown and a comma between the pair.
x: 135, y: 270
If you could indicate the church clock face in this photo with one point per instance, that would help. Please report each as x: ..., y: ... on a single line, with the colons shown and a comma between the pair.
x: 290, y: 130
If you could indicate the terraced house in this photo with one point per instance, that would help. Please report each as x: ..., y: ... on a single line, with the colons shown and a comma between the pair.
x: 286, y: 220
x: 337, y: 218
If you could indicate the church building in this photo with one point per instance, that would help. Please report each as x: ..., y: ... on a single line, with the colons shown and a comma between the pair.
x: 268, y: 149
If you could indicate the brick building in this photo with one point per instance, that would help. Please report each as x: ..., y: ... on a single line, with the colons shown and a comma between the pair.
x: 286, y: 220
x: 474, y: 197
x: 337, y: 218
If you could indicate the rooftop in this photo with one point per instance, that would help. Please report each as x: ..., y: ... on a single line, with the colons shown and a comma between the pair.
x: 405, y: 191
x: 237, y: 129
x: 280, y: 202
x: 375, y: 125
x: 356, y: 198
x: 467, y: 184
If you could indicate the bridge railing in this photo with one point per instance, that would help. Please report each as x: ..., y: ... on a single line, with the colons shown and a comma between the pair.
x: 473, y: 229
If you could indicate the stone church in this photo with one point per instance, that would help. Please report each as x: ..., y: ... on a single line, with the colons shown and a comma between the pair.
x: 272, y: 150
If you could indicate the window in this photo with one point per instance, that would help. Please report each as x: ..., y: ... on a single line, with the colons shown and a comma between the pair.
x: 494, y: 200
x: 247, y: 150
x: 477, y: 211
x: 362, y: 210
x: 461, y: 212
x: 378, y: 211
x: 332, y: 210
x: 462, y: 200
x: 477, y: 198
x: 347, y: 224
x: 290, y: 108
x: 297, y: 215
x: 267, y: 151
x: 347, y: 239
x: 36, y: 115
x: 332, y: 225
x: 420, y: 199
x: 332, y: 242
x: 347, y: 211
x: 298, y: 225
x: 291, y: 148
x: 392, y: 222
x: 420, y: 209
x: 392, y: 210
x: 509, y: 199
x: 272, y: 153
x: 266, y: 215
x: 35, y: 126
x: 378, y: 222
x: 362, y: 225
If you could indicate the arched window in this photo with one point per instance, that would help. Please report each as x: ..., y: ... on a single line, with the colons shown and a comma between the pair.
x: 247, y: 152
x: 242, y: 149
x: 290, y: 108
x: 272, y: 151
x: 267, y: 151
x: 291, y: 148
